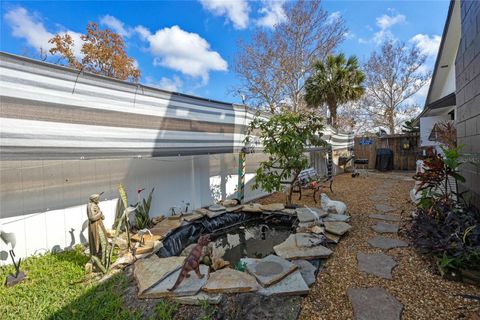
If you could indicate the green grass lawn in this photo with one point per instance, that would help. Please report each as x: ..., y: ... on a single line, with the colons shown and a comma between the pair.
x: 57, y: 288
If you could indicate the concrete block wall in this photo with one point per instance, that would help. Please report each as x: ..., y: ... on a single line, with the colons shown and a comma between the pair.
x: 467, y: 69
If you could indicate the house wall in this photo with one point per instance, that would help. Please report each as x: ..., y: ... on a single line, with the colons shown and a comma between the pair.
x: 43, y: 202
x: 467, y: 66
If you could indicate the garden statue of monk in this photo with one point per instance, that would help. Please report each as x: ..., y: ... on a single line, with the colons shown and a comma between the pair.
x: 97, y: 234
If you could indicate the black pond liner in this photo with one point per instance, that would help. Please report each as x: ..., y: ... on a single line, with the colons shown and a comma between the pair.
x: 184, y: 236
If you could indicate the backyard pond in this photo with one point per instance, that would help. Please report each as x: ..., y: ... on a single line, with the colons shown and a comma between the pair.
x: 250, y: 241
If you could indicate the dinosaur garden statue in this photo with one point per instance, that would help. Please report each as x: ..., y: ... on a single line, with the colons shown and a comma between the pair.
x: 192, y: 262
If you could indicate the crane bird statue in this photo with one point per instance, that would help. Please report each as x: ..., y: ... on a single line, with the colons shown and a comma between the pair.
x: 9, y: 239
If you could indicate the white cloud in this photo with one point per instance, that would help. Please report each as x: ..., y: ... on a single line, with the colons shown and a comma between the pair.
x: 332, y: 17
x: 30, y: 27
x: 273, y: 14
x: 382, y: 35
x: 116, y: 25
x: 26, y: 26
x: 168, y: 84
x: 143, y: 32
x: 183, y: 51
x: 426, y: 44
x: 386, y: 21
x: 235, y: 10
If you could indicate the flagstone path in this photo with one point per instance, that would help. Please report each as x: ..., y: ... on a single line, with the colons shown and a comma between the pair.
x: 373, y: 273
x: 378, y: 303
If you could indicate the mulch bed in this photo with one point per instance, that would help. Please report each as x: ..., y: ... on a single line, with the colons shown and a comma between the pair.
x: 416, y: 283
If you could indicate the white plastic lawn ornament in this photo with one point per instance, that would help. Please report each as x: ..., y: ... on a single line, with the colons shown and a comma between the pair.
x: 332, y: 206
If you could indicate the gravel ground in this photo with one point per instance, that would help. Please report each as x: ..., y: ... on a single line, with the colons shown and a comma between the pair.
x: 416, y: 284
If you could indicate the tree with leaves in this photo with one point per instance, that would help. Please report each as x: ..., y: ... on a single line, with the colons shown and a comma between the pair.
x: 285, y: 138
x: 393, y: 76
x: 334, y: 82
x: 103, y: 52
x: 274, y: 65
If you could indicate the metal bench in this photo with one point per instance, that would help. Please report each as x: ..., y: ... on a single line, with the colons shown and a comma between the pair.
x: 309, y: 179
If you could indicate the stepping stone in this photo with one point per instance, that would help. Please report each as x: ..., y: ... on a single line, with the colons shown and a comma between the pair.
x: 386, y: 243
x: 293, y: 284
x: 374, y: 304
x: 337, y: 227
x: 230, y: 281
x: 337, y: 217
x: 377, y: 264
x: 272, y: 207
x: 151, y: 270
x: 190, y: 286
x: 310, y: 214
x: 289, y: 249
x: 269, y: 270
x: 377, y: 197
x: 199, y: 298
x: 307, y: 270
x: 386, y: 217
x: 384, y: 208
x: 383, y: 227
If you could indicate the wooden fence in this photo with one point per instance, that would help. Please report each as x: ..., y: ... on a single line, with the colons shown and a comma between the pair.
x: 405, y: 149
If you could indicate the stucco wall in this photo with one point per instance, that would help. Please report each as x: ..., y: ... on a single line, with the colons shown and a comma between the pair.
x: 467, y: 69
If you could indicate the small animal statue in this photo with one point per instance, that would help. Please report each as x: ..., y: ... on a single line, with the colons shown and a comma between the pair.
x: 192, y: 262
x: 332, y: 206
x: 142, y: 233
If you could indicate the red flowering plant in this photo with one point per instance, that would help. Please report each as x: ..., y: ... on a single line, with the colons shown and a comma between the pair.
x: 438, y: 182
x: 446, y: 227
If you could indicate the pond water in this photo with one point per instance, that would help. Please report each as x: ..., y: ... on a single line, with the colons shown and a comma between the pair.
x: 251, y: 240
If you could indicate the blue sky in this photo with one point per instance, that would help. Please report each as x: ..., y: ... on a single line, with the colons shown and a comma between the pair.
x: 189, y: 46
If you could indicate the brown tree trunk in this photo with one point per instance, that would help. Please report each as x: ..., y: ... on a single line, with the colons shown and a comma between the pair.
x: 391, y: 123
x: 333, y: 114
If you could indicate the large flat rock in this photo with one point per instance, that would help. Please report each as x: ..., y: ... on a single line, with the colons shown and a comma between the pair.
x: 383, y: 227
x: 293, y: 284
x: 252, y: 208
x: 269, y: 270
x: 165, y: 226
x: 332, y: 237
x: 290, y: 250
x: 307, y: 271
x: 374, y: 304
x: 310, y: 214
x: 386, y: 217
x: 193, y: 216
x: 230, y: 281
x: 386, y: 243
x: 384, y: 208
x: 213, y: 214
x: 337, y: 227
x: 200, y: 298
x: 337, y: 217
x: 272, y: 207
x: 377, y: 264
x: 153, y: 269
x: 190, y: 286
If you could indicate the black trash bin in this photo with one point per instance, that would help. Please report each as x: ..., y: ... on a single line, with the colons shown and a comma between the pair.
x: 384, y: 160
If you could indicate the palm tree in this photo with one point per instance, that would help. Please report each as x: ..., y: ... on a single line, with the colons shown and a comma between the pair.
x: 334, y: 82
